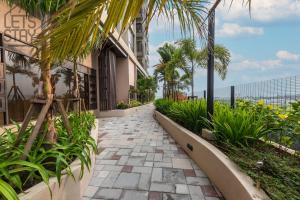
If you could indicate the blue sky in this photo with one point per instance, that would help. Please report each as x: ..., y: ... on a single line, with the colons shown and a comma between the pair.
x: 262, y: 47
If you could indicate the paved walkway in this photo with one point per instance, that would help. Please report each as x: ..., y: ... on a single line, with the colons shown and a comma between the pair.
x: 140, y: 161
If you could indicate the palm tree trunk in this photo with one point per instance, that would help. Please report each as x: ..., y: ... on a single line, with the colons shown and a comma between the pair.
x: 168, y: 90
x: 51, y: 135
x: 76, y: 86
x: 47, y: 90
x: 192, y: 79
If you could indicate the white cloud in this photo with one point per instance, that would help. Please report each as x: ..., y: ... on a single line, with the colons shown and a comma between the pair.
x: 261, y: 10
x: 256, y: 64
x: 285, y: 55
x: 163, y: 24
x: 239, y: 62
x: 232, y: 30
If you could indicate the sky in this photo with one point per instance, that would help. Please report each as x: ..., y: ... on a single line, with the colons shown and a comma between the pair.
x: 263, y: 46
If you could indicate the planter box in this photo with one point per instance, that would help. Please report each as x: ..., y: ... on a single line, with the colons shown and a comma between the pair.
x: 233, y: 183
x: 208, y: 135
x: 69, y: 188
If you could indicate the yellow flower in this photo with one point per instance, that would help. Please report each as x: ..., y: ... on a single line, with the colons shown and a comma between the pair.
x: 283, y: 116
x: 261, y: 102
x: 270, y: 107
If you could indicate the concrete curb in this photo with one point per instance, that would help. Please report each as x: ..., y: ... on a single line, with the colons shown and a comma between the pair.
x: 69, y: 188
x: 233, y: 184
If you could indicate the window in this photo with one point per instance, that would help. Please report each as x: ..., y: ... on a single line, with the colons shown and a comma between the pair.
x: 22, y: 76
x: 131, y: 39
x: 139, y: 28
x: 140, y: 46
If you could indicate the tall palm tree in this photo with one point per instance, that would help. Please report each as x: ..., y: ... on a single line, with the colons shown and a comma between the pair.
x: 198, y: 58
x: 45, y: 9
x: 189, y: 49
x: 171, y: 70
x: 165, y: 53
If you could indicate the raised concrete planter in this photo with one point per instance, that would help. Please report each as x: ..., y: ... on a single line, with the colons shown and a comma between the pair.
x: 234, y: 184
x: 69, y: 188
x: 208, y: 135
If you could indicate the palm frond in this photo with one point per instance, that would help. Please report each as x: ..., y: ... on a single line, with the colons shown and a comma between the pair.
x: 77, y: 27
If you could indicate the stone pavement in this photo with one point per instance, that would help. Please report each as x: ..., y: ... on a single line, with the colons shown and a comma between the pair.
x: 140, y: 161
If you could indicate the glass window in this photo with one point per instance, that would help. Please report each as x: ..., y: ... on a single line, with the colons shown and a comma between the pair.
x: 140, y: 46
x: 131, y: 39
x: 22, y: 79
x: 139, y: 28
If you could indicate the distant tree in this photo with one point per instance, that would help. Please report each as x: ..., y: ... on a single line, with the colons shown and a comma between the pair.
x: 146, y: 87
x: 198, y: 58
x: 171, y: 70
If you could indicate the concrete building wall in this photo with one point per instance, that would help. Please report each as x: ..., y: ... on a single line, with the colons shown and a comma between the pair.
x: 122, y: 82
x: 126, y: 78
x: 132, y: 77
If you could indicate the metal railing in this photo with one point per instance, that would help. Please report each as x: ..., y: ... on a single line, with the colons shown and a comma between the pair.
x: 278, y: 92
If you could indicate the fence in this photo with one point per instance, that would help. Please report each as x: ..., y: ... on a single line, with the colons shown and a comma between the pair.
x: 278, y: 92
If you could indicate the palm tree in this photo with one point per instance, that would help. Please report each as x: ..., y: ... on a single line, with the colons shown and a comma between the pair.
x: 198, y: 58
x: 75, y: 30
x: 165, y: 53
x: 169, y: 70
x: 45, y: 9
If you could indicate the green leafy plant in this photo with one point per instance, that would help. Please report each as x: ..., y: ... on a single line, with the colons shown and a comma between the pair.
x: 283, y: 123
x: 134, y: 103
x: 45, y: 160
x: 190, y: 114
x: 163, y: 105
x: 146, y: 88
x: 121, y: 105
x: 237, y: 126
x: 7, y: 192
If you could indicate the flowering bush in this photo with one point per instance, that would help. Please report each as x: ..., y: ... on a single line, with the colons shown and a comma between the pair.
x: 284, y: 125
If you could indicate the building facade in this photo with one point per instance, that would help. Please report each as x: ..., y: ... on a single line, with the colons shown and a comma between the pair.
x: 142, y: 43
x: 105, y: 76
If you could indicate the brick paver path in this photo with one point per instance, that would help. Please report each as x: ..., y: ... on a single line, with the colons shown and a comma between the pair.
x: 140, y: 161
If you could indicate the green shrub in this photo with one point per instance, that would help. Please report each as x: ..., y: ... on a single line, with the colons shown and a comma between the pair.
x: 134, y: 103
x: 163, y: 105
x: 237, y: 126
x: 121, y: 105
x: 43, y: 162
x: 190, y: 114
x: 283, y: 123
